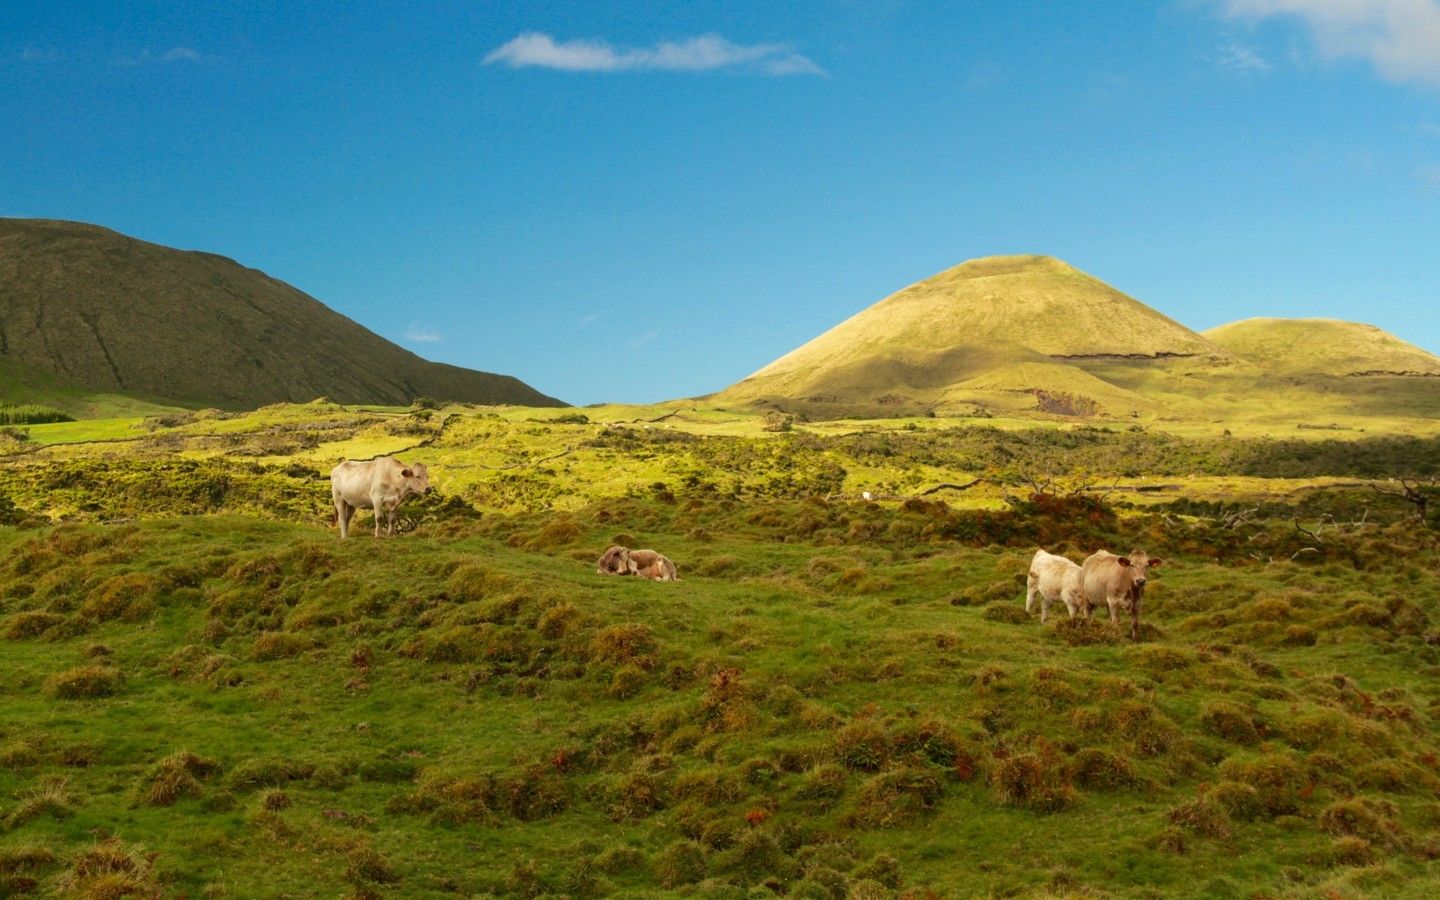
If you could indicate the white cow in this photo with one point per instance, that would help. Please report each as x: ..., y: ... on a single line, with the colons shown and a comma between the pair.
x: 379, y: 484
x: 1054, y: 578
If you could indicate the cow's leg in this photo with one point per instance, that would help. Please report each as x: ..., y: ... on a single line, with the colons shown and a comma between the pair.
x: 1135, y: 619
x: 1112, y: 603
x: 1044, y: 607
x: 349, y: 515
x: 377, y: 504
x: 1030, y: 592
x: 390, y: 520
x: 341, y: 518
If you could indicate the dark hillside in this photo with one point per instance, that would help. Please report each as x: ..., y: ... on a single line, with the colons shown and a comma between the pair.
x: 116, y: 314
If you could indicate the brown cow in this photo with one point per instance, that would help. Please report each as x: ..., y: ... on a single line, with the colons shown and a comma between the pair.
x: 615, y: 561
x: 1117, y: 581
x: 652, y: 565
x: 379, y: 484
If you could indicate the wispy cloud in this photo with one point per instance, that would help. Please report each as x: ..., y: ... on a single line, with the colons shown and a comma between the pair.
x: 39, y: 54
x: 1429, y: 176
x: 421, y: 335
x: 698, y: 54
x: 1243, y: 59
x: 641, y: 340
x: 1400, y: 38
x: 174, y: 55
x: 181, y: 54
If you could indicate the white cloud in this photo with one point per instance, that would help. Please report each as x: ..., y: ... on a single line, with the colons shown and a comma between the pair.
x: 421, y: 335
x: 698, y: 54
x: 1239, y: 58
x: 1400, y: 38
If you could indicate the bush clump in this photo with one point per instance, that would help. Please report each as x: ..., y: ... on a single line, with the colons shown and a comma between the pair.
x: 1031, y: 779
x: 896, y: 797
x: 84, y: 682
x: 680, y: 863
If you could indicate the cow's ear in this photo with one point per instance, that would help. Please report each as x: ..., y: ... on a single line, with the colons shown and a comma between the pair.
x: 1123, y: 560
x: 407, y: 473
x: 1155, y: 561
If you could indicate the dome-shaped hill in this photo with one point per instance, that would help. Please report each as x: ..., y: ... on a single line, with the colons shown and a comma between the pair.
x: 115, y: 314
x: 976, y: 317
x: 1322, y: 346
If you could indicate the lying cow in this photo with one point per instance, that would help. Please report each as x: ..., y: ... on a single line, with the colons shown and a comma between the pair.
x: 1118, y: 582
x: 651, y: 565
x: 379, y: 484
x: 1054, y: 578
x: 644, y: 563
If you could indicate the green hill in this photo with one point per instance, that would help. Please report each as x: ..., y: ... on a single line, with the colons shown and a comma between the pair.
x: 1010, y: 324
x: 109, y: 314
x: 1323, y: 346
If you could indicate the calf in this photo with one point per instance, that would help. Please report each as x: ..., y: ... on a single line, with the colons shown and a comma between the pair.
x: 379, y: 484
x: 1118, y: 581
x: 1054, y: 578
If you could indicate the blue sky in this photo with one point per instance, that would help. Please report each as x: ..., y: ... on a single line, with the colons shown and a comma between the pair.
x: 639, y: 201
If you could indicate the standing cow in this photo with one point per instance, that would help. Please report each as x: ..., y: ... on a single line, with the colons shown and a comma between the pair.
x: 1118, y: 581
x: 1054, y: 578
x: 379, y: 484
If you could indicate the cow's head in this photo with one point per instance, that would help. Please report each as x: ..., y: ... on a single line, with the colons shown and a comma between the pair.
x: 615, y: 561
x: 417, y: 478
x: 1139, y: 563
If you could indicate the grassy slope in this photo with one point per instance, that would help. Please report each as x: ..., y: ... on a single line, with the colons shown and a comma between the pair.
x: 977, y: 317
x: 21, y: 385
x: 1323, y: 346
x: 242, y: 647
x: 119, y: 315
x: 828, y: 682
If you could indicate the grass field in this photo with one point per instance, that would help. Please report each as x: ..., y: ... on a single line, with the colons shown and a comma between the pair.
x: 205, y: 693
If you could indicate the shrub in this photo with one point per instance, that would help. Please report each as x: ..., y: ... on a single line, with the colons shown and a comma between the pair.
x: 1277, y: 779
x: 1230, y: 721
x: 755, y: 857
x: 1006, y: 612
x: 270, y: 645
x: 49, y: 798
x: 1202, y: 816
x: 680, y: 863
x: 176, y: 776
x: 1362, y: 817
x: 1241, y: 802
x: 824, y: 783
x: 1093, y: 767
x: 636, y: 796
x: 127, y: 597
x: 627, y: 681
x: 882, y: 868
x: 896, y: 797
x: 30, y: 624
x: 629, y: 642
x: 862, y: 745
x: 1030, y: 779
x: 84, y: 682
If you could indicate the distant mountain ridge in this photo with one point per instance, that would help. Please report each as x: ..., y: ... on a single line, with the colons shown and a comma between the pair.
x: 116, y: 314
